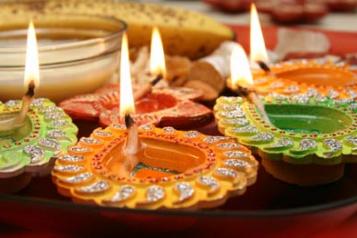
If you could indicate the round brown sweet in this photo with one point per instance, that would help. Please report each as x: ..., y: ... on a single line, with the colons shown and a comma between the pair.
x: 304, y: 174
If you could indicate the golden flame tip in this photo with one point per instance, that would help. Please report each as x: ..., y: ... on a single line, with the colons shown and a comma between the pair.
x: 127, y: 105
x: 258, y: 50
x: 32, y: 68
x: 157, y: 55
x: 241, y: 74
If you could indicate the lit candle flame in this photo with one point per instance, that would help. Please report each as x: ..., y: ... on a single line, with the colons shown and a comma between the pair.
x: 157, y: 55
x: 127, y: 105
x: 258, y: 50
x: 32, y: 71
x: 241, y: 74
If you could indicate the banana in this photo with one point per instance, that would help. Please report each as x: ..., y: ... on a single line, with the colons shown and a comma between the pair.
x: 184, y: 32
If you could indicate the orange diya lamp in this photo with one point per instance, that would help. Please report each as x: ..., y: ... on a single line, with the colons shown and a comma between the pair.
x: 148, y: 167
x: 318, y: 78
x: 162, y: 106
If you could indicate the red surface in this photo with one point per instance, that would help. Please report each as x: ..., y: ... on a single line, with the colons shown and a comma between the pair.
x: 341, y: 42
x: 287, y: 11
x: 328, y: 224
x: 69, y: 220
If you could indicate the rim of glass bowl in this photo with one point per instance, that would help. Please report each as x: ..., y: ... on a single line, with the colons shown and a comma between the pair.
x: 122, y: 27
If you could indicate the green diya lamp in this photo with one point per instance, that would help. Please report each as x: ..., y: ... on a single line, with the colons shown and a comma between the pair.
x: 308, y: 141
x: 29, y: 149
x: 32, y: 132
x: 302, y: 139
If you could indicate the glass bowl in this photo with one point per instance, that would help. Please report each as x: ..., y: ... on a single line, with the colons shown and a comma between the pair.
x: 77, y: 54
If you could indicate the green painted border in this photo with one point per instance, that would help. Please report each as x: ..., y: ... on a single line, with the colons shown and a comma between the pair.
x: 15, y: 154
x: 236, y: 117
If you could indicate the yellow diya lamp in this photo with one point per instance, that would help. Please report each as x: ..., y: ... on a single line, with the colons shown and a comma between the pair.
x: 32, y: 131
x: 303, y: 141
x: 152, y: 168
x: 320, y: 78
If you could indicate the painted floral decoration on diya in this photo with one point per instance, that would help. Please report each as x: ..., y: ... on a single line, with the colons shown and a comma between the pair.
x: 319, y: 78
x: 164, y: 106
x: 30, y: 149
x: 176, y: 169
x: 308, y: 141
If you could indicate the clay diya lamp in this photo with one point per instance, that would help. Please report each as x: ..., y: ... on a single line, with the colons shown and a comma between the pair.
x: 175, y: 170
x: 152, y: 168
x: 307, y: 142
x: 31, y: 149
x: 159, y: 106
x: 163, y: 106
x: 308, y: 78
x: 32, y: 131
x: 318, y: 78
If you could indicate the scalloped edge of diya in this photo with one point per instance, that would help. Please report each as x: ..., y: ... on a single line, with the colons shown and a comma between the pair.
x: 343, y: 87
x: 104, y: 103
x: 227, y: 170
x: 301, y: 158
x: 34, y: 155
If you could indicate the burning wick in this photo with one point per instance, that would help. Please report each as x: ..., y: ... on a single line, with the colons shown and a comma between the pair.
x: 242, y: 80
x: 254, y: 98
x: 147, y: 88
x: 263, y: 66
x: 132, y: 145
x: 157, y: 64
x: 12, y: 121
x: 26, y: 102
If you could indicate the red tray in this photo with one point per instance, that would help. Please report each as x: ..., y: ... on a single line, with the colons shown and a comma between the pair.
x: 268, y: 209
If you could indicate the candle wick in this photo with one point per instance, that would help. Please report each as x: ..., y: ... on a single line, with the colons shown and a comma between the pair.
x: 131, y: 147
x: 156, y: 80
x: 31, y: 89
x: 264, y: 66
x: 147, y: 88
x: 26, y: 102
x: 16, y: 120
x: 129, y: 121
x: 254, y: 98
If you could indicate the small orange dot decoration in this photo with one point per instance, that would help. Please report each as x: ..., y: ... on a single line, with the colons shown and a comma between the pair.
x: 311, y: 78
x: 175, y: 169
